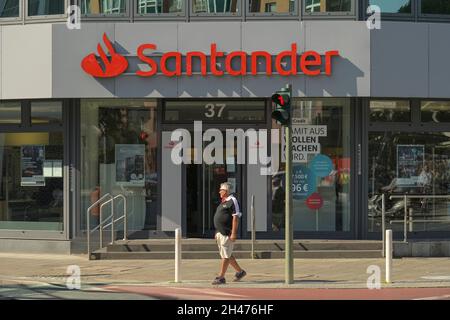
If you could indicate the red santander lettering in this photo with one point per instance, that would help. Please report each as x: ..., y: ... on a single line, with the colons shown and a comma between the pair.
x: 235, y: 63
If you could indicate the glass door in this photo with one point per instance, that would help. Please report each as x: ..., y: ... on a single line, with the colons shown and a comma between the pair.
x: 202, y: 194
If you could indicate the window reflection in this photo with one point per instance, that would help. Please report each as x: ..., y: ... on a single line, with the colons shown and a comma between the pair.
x: 103, y: 6
x: 328, y: 121
x: 31, y: 181
x: 435, y: 111
x: 389, y: 111
x: 46, y: 112
x: 215, y: 6
x: 45, y: 7
x: 119, y: 155
x: 413, y: 164
x: 393, y: 6
x: 10, y: 112
x: 272, y: 6
x: 159, y: 6
x: 435, y: 6
x: 9, y: 8
x: 328, y: 6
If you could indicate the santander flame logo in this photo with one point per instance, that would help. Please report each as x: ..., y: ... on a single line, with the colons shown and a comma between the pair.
x: 113, y: 67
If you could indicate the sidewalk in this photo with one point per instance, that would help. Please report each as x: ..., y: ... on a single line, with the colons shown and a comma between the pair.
x: 308, y: 273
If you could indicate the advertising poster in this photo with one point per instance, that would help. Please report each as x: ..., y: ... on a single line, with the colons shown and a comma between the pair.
x: 303, y: 182
x: 130, y: 165
x: 410, y: 160
x: 32, y: 165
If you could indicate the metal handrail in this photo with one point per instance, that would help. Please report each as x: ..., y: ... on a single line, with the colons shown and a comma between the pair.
x: 102, y: 222
x: 405, y: 220
x: 96, y: 203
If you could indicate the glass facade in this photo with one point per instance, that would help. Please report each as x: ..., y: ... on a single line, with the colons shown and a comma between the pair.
x: 46, y: 7
x: 46, y: 112
x: 119, y: 156
x: 271, y: 6
x: 9, y: 8
x: 10, y: 113
x: 416, y: 164
x: 441, y: 7
x: 435, y: 111
x: 159, y: 6
x: 321, y: 168
x: 215, y: 6
x: 104, y: 7
x: 31, y: 181
x: 393, y: 6
x: 327, y: 6
x: 390, y: 111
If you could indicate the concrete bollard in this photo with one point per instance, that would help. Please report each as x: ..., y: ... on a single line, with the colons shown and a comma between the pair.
x: 389, y: 251
x: 177, y: 255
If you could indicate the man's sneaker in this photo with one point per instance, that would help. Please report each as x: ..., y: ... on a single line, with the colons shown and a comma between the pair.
x: 219, y: 280
x: 239, y: 275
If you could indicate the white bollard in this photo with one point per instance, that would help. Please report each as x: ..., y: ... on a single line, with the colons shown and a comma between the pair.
x: 177, y: 254
x: 389, y: 251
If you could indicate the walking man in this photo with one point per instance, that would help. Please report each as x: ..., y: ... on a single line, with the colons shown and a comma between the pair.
x: 226, y: 222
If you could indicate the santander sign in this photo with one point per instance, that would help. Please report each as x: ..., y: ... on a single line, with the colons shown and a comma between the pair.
x: 310, y: 63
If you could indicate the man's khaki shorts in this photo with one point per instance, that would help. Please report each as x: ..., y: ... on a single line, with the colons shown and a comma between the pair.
x: 225, y: 245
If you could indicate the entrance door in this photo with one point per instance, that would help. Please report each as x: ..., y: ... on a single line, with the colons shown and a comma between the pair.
x: 202, y: 194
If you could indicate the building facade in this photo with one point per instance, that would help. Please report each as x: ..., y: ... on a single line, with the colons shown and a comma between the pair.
x: 91, y: 111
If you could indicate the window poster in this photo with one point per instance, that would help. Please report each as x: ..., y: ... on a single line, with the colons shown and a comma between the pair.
x: 32, y: 165
x: 130, y: 165
x: 410, y: 160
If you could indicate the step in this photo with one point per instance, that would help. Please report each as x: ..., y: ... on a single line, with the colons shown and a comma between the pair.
x: 314, y: 254
x: 239, y: 246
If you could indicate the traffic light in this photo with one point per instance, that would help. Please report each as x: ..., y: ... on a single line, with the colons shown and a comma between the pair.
x: 282, y: 100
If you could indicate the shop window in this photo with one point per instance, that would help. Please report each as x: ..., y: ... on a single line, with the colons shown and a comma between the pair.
x: 416, y: 164
x: 119, y: 143
x: 389, y: 111
x: 328, y: 6
x: 46, y: 7
x: 9, y: 8
x: 158, y: 7
x: 393, y: 6
x: 10, y: 113
x: 321, y: 168
x: 435, y: 111
x: 215, y: 7
x: 31, y: 181
x: 46, y: 112
x: 435, y: 7
x: 272, y: 6
x: 104, y: 7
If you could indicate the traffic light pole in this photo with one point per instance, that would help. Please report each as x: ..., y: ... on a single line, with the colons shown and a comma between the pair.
x: 289, y: 217
x: 289, y: 223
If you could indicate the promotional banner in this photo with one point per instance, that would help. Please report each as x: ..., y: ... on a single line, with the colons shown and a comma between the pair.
x: 410, y: 160
x: 130, y: 165
x: 305, y: 140
x: 32, y: 161
x: 303, y: 182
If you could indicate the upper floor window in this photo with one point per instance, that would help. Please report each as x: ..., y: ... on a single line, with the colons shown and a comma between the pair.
x: 46, y: 7
x: 214, y: 7
x: 104, y: 7
x: 393, y: 6
x: 160, y: 7
x: 441, y: 7
x: 328, y: 6
x: 272, y: 6
x: 9, y: 8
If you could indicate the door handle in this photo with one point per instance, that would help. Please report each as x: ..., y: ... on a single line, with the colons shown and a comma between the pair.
x: 359, y: 156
